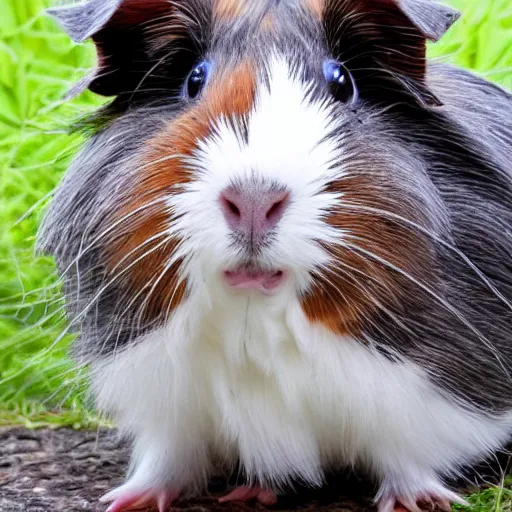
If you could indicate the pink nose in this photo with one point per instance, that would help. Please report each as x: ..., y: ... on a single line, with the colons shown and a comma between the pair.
x: 253, y: 212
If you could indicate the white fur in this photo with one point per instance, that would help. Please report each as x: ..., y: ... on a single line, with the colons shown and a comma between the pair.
x: 240, y: 375
x: 278, y: 149
x: 251, y: 377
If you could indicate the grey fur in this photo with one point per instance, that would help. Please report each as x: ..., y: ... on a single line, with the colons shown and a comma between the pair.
x: 82, y: 21
x: 432, y: 18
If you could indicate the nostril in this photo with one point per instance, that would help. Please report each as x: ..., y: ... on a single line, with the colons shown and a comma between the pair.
x: 276, y: 211
x: 233, y: 208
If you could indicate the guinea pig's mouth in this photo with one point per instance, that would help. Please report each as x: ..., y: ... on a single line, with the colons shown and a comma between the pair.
x: 264, y: 281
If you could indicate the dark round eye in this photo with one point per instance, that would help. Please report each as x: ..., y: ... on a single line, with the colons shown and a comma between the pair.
x: 341, y: 81
x: 197, y: 78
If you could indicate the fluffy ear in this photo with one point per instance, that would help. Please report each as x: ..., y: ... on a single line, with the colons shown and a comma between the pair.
x: 407, y: 25
x: 431, y: 18
x: 124, y: 33
x: 404, y: 27
x: 390, y: 36
x: 85, y: 19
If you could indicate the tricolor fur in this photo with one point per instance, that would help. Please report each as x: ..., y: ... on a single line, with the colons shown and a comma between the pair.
x: 388, y: 345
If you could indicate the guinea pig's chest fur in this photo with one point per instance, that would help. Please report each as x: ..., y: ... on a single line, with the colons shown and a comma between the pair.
x: 248, y: 379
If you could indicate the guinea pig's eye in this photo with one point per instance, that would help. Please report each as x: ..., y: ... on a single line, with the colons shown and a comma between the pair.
x: 341, y: 81
x: 196, y: 80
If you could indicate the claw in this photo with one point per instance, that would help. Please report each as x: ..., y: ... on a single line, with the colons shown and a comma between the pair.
x: 455, y: 498
x: 127, y: 502
x: 124, y: 500
x: 426, y: 501
x: 264, y: 496
x: 164, y: 502
x: 240, y: 494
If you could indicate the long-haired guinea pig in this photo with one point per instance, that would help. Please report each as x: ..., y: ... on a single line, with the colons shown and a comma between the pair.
x: 287, y: 246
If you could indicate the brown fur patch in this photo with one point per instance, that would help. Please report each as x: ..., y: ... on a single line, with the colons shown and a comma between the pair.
x: 316, y: 6
x: 229, y: 9
x: 143, y: 235
x: 357, y: 286
x: 268, y: 23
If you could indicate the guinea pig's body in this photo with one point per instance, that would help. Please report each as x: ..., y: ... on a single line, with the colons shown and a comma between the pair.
x: 296, y: 257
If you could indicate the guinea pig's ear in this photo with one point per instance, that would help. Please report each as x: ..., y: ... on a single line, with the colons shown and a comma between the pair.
x: 85, y: 19
x: 121, y: 31
x: 431, y: 18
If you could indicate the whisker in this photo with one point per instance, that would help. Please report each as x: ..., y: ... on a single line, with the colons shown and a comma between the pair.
x: 348, y: 271
x: 457, y: 314
x: 110, y: 229
x: 437, y: 238
x: 94, y: 300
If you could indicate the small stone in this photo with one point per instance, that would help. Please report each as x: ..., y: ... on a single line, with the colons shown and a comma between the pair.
x: 39, y: 490
x: 7, y: 462
x: 50, y: 471
x: 21, y: 446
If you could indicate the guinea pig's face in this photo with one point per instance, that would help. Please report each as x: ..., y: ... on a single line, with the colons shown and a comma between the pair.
x: 253, y: 148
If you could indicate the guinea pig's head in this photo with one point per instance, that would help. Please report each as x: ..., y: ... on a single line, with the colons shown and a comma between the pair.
x: 252, y: 147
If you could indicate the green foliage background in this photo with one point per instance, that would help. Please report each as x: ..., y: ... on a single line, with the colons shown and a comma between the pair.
x: 38, y: 64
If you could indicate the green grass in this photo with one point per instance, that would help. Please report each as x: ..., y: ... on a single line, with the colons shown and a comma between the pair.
x: 494, y: 499
x: 37, y: 66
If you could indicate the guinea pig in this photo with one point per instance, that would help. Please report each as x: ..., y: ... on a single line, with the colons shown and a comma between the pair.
x: 287, y: 247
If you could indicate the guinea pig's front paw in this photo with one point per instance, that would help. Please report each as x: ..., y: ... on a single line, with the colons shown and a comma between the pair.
x: 123, y: 499
x: 424, y: 501
x: 264, y: 496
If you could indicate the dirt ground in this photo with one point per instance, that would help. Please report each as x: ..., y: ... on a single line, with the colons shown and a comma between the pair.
x: 64, y: 470
x: 68, y: 470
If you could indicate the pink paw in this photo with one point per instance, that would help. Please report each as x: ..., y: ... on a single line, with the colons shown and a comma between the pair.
x: 264, y: 496
x: 421, y: 503
x: 123, y: 500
